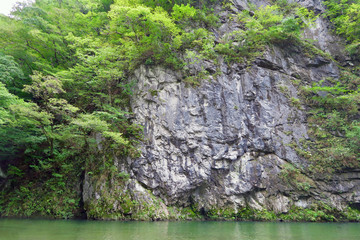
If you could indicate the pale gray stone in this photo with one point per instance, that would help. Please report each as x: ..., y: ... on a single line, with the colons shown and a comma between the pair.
x: 225, y: 142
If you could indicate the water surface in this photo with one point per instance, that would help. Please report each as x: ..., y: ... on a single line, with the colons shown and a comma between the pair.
x: 11, y: 229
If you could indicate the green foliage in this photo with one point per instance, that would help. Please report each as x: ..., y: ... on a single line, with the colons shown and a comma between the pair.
x: 18, y: 124
x: 245, y: 213
x: 115, y: 201
x: 169, y: 4
x: 295, y: 102
x: 10, y: 73
x: 294, y: 177
x: 345, y: 15
x: 334, y: 123
x: 320, y: 212
x: 352, y: 215
x: 310, y: 215
x: 56, y: 197
x: 267, y: 25
x: 183, y: 12
x: 316, y: 212
x: 73, y: 78
x: 144, y: 33
x: 195, y: 80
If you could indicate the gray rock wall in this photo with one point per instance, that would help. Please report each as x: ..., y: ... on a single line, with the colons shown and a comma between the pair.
x: 226, y: 143
x: 223, y: 143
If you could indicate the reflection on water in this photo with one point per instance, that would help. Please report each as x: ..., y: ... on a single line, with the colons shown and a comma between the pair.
x: 11, y: 229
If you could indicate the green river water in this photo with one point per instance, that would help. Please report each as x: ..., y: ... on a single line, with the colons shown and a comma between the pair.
x: 11, y: 229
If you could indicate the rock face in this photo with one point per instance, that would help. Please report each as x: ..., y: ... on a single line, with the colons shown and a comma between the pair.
x: 223, y: 143
x: 229, y: 143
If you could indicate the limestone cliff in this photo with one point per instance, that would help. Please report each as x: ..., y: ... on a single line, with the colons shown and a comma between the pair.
x: 228, y: 143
